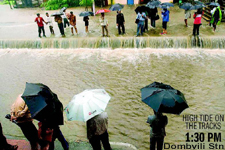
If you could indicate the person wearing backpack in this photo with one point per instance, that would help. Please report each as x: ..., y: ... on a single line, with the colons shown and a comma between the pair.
x: 157, y: 123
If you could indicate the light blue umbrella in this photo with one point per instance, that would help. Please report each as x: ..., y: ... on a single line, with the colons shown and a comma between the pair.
x: 87, y: 104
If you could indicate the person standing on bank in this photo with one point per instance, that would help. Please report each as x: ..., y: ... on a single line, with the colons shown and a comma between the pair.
x: 86, y: 21
x: 157, y: 123
x: 4, y: 144
x: 140, y: 23
x: 21, y: 114
x: 165, y: 16
x: 65, y: 20
x: 58, y: 19
x: 97, y: 132
x: 72, y: 19
x: 216, y: 17
x: 120, y: 21
x: 152, y: 15
x: 104, y: 24
x: 49, y: 20
x: 187, y: 15
x: 40, y: 24
x: 197, y: 22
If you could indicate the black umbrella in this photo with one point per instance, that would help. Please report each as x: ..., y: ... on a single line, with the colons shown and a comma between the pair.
x: 43, y: 103
x: 86, y: 13
x: 197, y: 7
x: 186, y: 6
x: 142, y: 9
x: 213, y: 4
x: 116, y: 7
x: 163, y: 98
x: 57, y: 14
x: 153, y: 4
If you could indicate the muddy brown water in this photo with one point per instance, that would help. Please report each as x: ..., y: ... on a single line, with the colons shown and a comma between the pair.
x: 200, y: 75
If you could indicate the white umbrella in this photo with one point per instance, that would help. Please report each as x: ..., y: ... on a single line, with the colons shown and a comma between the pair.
x: 87, y: 104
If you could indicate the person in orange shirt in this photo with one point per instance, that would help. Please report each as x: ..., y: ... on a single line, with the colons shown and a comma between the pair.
x: 21, y: 114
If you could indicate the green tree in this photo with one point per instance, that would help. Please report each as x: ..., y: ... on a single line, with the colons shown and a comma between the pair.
x: 86, y: 2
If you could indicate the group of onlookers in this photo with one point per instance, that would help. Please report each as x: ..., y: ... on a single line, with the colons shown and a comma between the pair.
x: 48, y: 131
x: 141, y: 21
x: 62, y: 21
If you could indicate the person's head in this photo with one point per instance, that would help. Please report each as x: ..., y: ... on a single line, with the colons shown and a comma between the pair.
x: 165, y: 9
x: 102, y: 14
x: 64, y: 10
x: 119, y: 11
x: 38, y: 14
x: 158, y: 114
x: 199, y: 11
x: 47, y: 14
x: 71, y: 13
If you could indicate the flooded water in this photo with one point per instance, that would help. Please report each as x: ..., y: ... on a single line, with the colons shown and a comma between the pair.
x: 200, y: 75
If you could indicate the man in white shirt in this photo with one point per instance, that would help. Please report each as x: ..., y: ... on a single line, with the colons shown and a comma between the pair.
x: 49, y: 21
x: 65, y: 20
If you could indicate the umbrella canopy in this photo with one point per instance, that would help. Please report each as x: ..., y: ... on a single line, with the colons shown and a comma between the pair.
x: 43, y: 103
x: 116, y: 7
x: 199, y: 3
x: 86, y: 13
x: 197, y: 7
x: 163, y: 98
x: 64, y: 8
x: 213, y: 4
x: 142, y: 9
x: 87, y: 104
x: 186, y: 6
x: 153, y: 4
x: 102, y: 11
x: 57, y: 14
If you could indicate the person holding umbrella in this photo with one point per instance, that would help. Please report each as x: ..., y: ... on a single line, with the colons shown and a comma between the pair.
x: 72, y: 19
x: 40, y: 24
x: 97, y: 132
x: 21, y: 114
x: 157, y: 123
x: 165, y: 16
x: 65, y: 20
x: 89, y: 106
x: 162, y: 98
x: 153, y: 16
x: 120, y: 21
x: 140, y: 25
x: 86, y: 21
x: 58, y: 19
x: 104, y: 24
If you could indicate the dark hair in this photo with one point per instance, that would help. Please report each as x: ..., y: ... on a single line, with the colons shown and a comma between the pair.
x: 71, y: 12
x: 199, y: 11
x: 103, y: 14
x: 46, y: 12
x: 38, y: 14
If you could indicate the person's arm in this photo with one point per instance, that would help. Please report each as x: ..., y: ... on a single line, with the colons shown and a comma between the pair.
x: 12, y: 113
x: 75, y: 20
x: 123, y: 20
x: 35, y: 20
x: 23, y: 112
x: 44, y: 21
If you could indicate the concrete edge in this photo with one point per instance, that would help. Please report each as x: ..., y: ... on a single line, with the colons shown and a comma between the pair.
x: 123, y: 144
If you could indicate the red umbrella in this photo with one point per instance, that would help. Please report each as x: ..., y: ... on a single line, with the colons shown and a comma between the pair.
x: 102, y: 11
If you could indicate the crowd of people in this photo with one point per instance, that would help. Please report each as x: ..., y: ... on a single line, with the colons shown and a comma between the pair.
x: 141, y: 21
x: 47, y: 133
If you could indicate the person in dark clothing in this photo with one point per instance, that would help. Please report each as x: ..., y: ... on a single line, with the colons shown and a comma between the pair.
x: 197, y: 22
x: 58, y: 19
x: 152, y: 16
x: 86, y: 21
x: 4, y: 144
x: 58, y: 134
x: 120, y: 21
x: 146, y: 22
x: 97, y: 132
x: 157, y: 123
